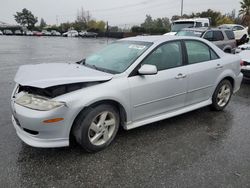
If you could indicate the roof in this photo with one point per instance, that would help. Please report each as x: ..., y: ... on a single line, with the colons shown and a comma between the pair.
x: 156, y: 38
x: 198, y: 29
x: 192, y: 20
x: 203, y: 29
x: 230, y: 25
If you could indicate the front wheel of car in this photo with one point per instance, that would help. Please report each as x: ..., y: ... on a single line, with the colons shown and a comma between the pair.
x: 96, y: 127
x: 222, y: 95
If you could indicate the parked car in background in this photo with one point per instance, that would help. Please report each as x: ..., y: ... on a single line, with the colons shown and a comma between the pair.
x: 7, y: 32
x: 223, y: 38
x: 28, y: 33
x: 55, y: 33
x: 46, y: 33
x: 240, y: 32
x: 37, y: 33
x: 18, y: 32
x: 243, y: 47
x: 71, y: 33
x: 1, y: 33
x: 87, y: 34
x: 130, y: 83
x: 188, y: 23
x: 245, y: 64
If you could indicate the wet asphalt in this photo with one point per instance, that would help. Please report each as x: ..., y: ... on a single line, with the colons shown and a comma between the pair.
x: 198, y: 149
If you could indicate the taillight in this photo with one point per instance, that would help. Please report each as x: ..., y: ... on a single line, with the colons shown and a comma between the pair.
x: 243, y: 63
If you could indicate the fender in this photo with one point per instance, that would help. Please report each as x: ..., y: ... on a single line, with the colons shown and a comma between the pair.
x: 223, y: 75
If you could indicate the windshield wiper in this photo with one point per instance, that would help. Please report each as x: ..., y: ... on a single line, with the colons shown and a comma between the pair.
x: 100, y: 68
x: 81, y: 62
x: 91, y: 66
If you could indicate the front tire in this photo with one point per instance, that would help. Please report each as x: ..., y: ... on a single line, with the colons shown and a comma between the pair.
x: 222, y: 95
x: 97, y: 127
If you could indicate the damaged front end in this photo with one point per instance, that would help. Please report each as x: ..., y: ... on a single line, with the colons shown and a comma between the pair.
x: 55, y: 91
x: 42, y: 98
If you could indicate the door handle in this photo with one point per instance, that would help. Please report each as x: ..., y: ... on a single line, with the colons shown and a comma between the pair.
x: 219, y: 66
x: 180, y: 76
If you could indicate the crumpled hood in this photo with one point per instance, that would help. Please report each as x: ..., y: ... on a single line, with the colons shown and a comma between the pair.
x: 52, y: 74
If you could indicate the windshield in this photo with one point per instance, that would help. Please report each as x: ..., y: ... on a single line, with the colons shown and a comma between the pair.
x: 177, y: 26
x: 118, y: 56
x: 189, y: 33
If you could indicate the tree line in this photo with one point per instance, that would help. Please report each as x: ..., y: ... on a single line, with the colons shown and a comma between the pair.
x: 84, y: 21
x: 162, y: 25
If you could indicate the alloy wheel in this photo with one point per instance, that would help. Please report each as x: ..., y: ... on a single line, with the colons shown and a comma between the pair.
x: 223, y: 95
x: 102, y: 128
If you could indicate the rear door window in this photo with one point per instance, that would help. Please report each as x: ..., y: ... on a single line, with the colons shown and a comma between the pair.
x: 199, y: 52
x: 218, y: 36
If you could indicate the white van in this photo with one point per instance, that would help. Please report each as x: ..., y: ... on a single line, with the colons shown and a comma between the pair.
x: 188, y: 23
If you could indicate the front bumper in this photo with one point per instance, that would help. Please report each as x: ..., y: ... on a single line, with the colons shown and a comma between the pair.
x: 36, y: 141
x: 31, y: 129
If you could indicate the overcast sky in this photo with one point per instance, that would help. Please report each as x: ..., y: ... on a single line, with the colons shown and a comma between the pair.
x: 117, y: 12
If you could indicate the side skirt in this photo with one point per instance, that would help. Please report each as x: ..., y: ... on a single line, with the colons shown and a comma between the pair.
x: 132, y: 125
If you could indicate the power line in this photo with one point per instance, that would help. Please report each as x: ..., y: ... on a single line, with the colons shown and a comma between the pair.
x: 133, y: 12
x: 122, y: 7
x: 146, y: 5
x: 118, y: 8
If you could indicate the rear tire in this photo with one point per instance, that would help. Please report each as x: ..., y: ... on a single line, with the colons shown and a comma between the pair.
x: 228, y: 51
x: 96, y: 127
x: 222, y: 95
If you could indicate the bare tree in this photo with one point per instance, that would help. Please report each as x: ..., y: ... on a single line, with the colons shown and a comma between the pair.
x: 83, y: 16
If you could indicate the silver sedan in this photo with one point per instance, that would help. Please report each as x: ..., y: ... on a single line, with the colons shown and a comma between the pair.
x: 130, y: 83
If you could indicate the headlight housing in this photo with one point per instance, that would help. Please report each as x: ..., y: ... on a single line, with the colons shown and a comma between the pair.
x: 37, y: 102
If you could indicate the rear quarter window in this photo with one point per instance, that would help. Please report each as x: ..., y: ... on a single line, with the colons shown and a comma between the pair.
x: 230, y: 34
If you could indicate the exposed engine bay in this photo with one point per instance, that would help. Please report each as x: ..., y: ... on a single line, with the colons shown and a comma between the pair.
x: 54, y: 91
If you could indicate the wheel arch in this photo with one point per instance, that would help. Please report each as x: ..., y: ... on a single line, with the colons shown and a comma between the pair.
x: 231, y: 80
x: 121, y: 110
x: 227, y: 77
x: 228, y: 49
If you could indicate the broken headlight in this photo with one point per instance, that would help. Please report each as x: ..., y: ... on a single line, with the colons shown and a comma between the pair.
x: 37, y: 102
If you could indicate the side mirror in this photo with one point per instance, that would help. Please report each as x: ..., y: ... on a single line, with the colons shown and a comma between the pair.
x: 147, y: 70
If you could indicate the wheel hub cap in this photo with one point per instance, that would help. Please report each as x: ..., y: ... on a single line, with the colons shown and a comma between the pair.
x: 223, y: 95
x: 102, y: 128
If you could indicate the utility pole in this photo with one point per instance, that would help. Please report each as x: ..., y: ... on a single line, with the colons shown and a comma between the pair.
x: 57, y: 20
x: 181, y: 8
x: 107, y: 32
